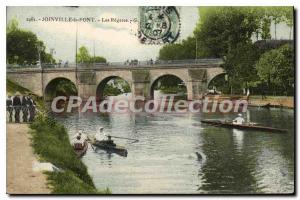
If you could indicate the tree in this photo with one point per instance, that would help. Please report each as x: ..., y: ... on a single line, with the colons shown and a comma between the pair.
x: 266, y: 33
x: 83, y: 56
x: 289, y: 18
x: 228, y: 33
x: 22, y: 46
x: 278, y: 14
x: 276, y: 68
x: 99, y: 59
x: 186, y: 49
x: 13, y: 25
x: 222, y: 28
x: 47, y: 57
x: 240, y: 66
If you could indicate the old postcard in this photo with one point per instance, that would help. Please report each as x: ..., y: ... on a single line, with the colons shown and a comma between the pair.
x: 150, y: 100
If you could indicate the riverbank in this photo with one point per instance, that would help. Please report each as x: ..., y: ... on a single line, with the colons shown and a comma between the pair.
x: 21, y: 179
x: 274, y: 101
x: 49, y: 142
x: 258, y: 101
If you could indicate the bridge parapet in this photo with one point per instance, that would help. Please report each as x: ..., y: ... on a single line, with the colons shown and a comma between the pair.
x: 126, y: 65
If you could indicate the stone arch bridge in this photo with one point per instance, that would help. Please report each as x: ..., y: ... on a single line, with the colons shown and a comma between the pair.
x: 196, y: 75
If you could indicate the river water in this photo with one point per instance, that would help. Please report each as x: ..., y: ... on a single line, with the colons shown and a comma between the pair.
x: 164, y: 159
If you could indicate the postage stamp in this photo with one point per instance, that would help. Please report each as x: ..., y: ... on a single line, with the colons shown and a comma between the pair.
x: 158, y: 24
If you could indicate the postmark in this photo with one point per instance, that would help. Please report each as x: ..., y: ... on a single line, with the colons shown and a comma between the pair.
x: 158, y: 24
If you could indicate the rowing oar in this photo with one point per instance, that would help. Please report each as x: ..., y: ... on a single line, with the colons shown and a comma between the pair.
x: 125, y: 138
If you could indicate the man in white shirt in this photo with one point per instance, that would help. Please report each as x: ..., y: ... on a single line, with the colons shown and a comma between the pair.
x: 100, y: 135
x: 239, y: 119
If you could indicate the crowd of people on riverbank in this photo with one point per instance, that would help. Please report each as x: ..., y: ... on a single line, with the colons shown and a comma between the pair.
x: 20, y: 108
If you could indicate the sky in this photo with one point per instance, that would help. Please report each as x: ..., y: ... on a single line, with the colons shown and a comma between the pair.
x: 117, y: 42
x: 114, y: 41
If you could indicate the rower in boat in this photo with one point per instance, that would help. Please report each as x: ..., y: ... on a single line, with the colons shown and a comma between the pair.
x: 239, y: 119
x: 244, y: 126
x: 104, y: 141
x: 79, y: 140
x: 80, y: 144
x: 104, y: 138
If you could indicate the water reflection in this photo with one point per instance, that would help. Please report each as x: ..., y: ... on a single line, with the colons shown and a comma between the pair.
x: 238, y: 138
x: 165, y: 161
x: 226, y: 171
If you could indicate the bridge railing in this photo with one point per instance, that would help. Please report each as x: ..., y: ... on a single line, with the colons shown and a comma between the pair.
x: 131, y: 63
x: 16, y: 67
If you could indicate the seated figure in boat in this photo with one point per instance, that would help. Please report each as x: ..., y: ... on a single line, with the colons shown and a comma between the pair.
x: 104, y: 138
x: 239, y: 119
x: 79, y: 140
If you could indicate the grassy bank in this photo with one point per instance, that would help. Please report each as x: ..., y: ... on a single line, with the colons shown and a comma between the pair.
x: 12, y: 88
x: 50, y: 142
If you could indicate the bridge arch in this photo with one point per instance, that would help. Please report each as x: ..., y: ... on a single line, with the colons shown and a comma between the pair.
x: 102, y: 84
x: 213, y: 73
x: 59, y: 86
x: 176, y: 79
x: 214, y: 78
x: 48, y: 76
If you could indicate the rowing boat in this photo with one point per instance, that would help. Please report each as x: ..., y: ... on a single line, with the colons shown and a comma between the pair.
x: 247, y: 126
x: 110, y: 147
x: 81, y: 151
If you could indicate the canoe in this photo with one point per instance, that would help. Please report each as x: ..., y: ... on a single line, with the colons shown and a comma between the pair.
x: 243, y: 126
x: 80, y: 152
x: 120, y: 150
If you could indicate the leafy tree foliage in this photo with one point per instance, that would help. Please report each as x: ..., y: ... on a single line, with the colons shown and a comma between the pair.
x: 179, y: 51
x: 99, y: 59
x: 22, y: 46
x: 222, y: 28
x: 83, y: 56
x: 240, y: 66
x: 229, y: 33
x: 276, y: 68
